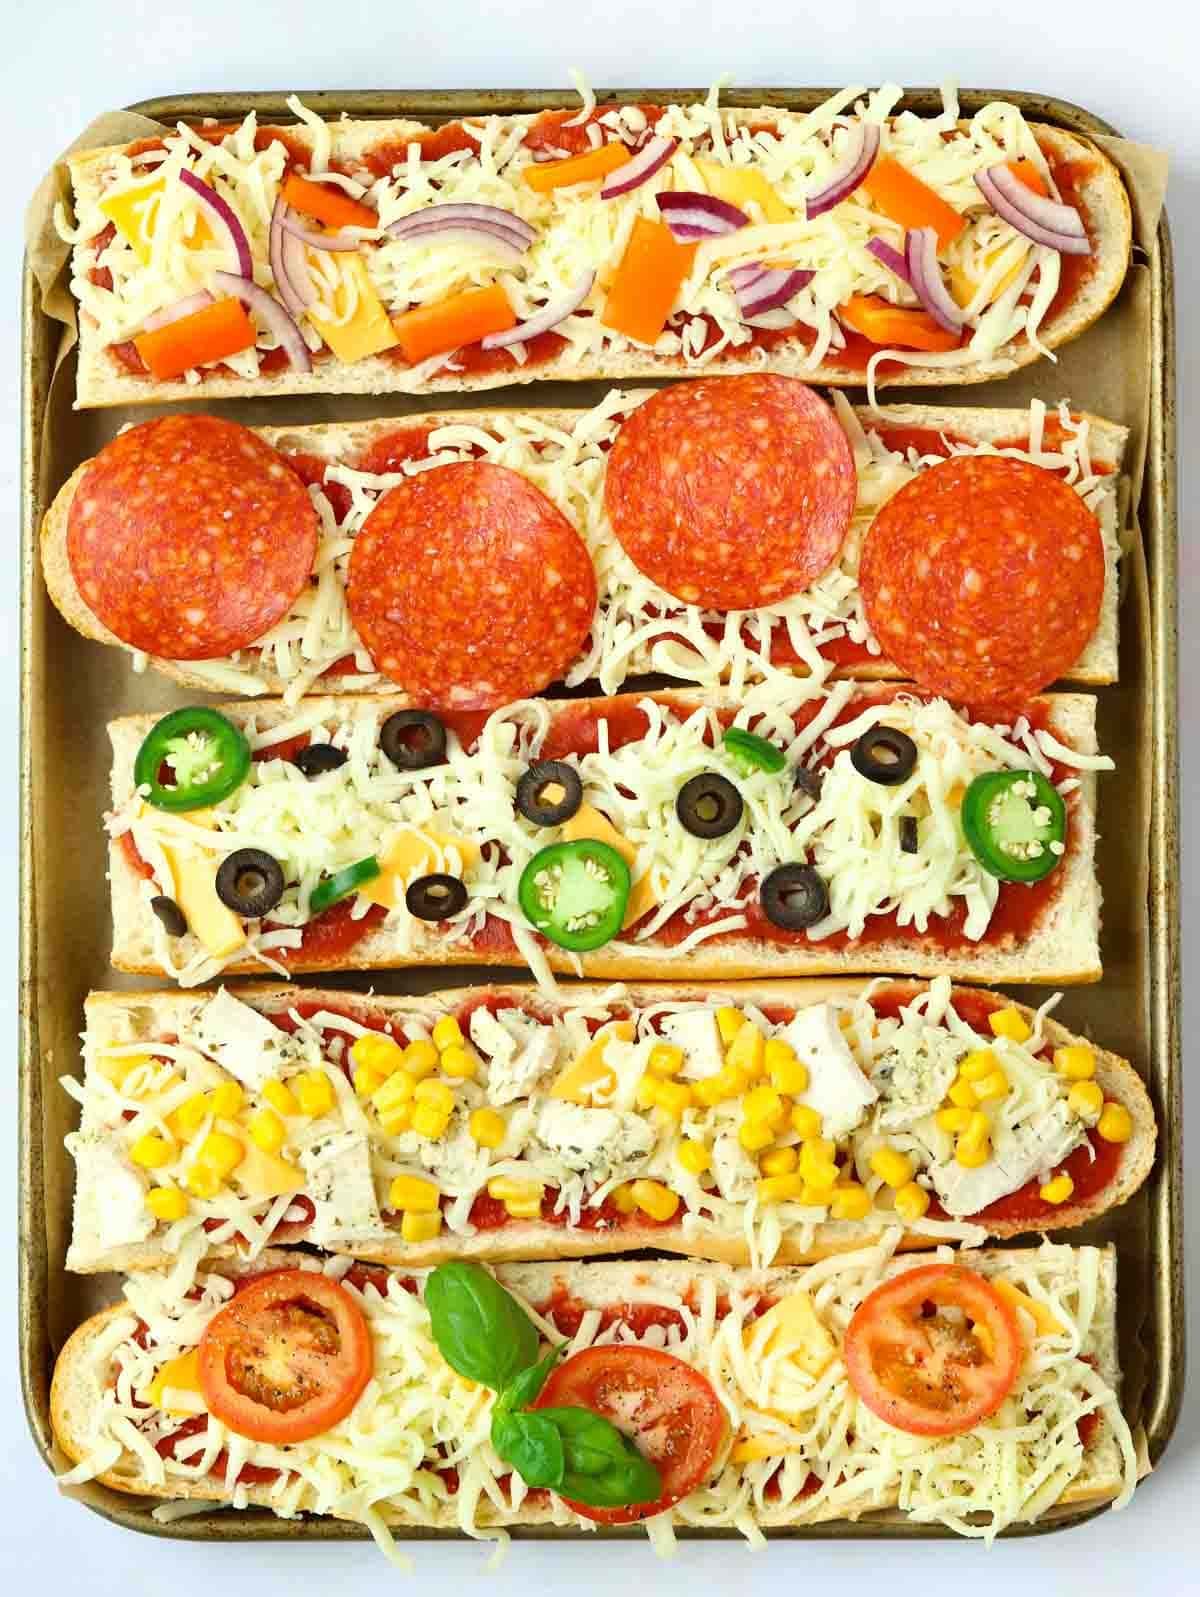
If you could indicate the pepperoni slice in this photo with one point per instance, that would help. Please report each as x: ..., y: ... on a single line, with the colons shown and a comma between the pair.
x: 732, y: 492
x: 189, y: 537
x: 469, y: 588
x: 983, y: 578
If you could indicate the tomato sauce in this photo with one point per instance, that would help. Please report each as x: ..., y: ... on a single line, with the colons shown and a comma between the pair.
x: 248, y: 1475
x: 330, y: 937
x: 1075, y: 271
x: 311, y: 471
x: 389, y: 453
x: 287, y: 750
x: 382, y: 158
x: 549, y: 132
x: 567, y: 1314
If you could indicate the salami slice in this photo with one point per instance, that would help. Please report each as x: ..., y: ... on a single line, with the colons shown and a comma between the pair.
x: 190, y: 538
x: 732, y: 492
x: 469, y: 588
x: 983, y: 578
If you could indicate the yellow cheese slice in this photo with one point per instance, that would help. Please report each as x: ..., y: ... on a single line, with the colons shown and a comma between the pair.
x: 266, y: 1175
x: 118, y: 1067
x: 369, y: 331
x: 181, y: 1374
x: 580, y: 1080
x: 964, y: 287
x: 130, y: 215
x: 794, y: 1331
x: 646, y: 892
x: 739, y: 185
x: 749, y: 1449
x: 411, y: 853
x: 195, y: 872
x: 1046, y: 1323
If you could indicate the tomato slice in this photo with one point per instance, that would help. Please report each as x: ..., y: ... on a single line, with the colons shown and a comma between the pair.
x: 934, y: 1351
x: 287, y: 1358
x: 667, y: 1409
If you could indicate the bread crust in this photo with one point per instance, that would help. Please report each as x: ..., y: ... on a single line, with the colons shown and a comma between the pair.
x: 102, y: 381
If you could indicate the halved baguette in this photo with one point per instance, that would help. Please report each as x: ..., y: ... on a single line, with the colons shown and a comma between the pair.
x: 102, y: 380
x: 81, y: 1372
x: 349, y: 441
x: 143, y: 1018
x: 1062, y: 949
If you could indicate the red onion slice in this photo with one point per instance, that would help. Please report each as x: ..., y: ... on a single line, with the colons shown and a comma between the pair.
x: 925, y: 275
x: 271, y: 313
x: 1038, y: 218
x: 544, y: 320
x: 288, y: 267
x: 318, y: 241
x: 890, y: 257
x: 176, y: 312
x: 644, y: 165
x: 218, y: 211
x: 456, y: 215
x: 691, y: 215
x: 846, y: 177
x: 770, y: 288
x: 508, y: 244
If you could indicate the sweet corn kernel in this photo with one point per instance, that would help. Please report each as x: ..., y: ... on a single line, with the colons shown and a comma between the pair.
x: 746, y: 1052
x: 412, y: 1193
x: 851, y: 1202
x: 487, y: 1127
x: 420, y: 1059
x: 524, y: 1208
x: 447, y: 1033
x: 203, y: 1181
x: 221, y: 1153
x: 978, y: 1126
x: 754, y: 1136
x: 665, y: 1059
x: 647, y: 1091
x: 785, y: 1072
x: 816, y: 1163
x: 709, y: 1092
x: 392, y: 1102
x: 652, y: 1198
x: 186, y: 1121
x: 971, y: 1152
x: 911, y: 1201
x: 992, y: 1087
x: 429, y: 1121
x: 314, y: 1093
x: 962, y: 1095
x: 1009, y: 1023
x: 416, y: 1227
x: 953, y: 1120
x: 367, y: 1080
x: 729, y: 1023
x: 806, y: 1122
x: 459, y: 1064
x: 674, y: 1097
x: 1077, y: 1062
x: 693, y: 1156
x: 1058, y: 1189
x: 509, y: 1190
x: 1115, y: 1123
x: 152, y: 1152
x: 377, y: 1052
x: 779, y: 1162
x: 787, y: 1188
x: 1086, y: 1099
x: 227, y: 1099
x: 267, y: 1130
x: 436, y: 1093
x: 623, y: 1199
x: 892, y: 1167
x: 167, y: 1203
x: 763, y: 1104
x: 281, y: 1098
x: 980, y: 1062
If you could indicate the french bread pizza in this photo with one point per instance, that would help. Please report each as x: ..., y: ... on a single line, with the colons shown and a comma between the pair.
x: 478, y: 1402
x: 870, y: 828
x: 771, y: 1122
x: 852, y: 243
x: 302, y: 611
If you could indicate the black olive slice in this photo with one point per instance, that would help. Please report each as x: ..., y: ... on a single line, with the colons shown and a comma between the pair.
x: 708, y: 805
x: 908, y: 834
x: 884, y: 755
x: 318, y: 758
x: 808, y: 782
x: 174, y: 921
x: 537, y: 790
x: 435, y: 897
x: 413, y: 740
x: 250, y: 882
x: 794, y: 897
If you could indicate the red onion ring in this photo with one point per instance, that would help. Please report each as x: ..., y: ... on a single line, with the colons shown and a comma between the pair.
x: 544, y: 320
x: 288, y: 267
x: 644, y: 165
x: 176, y: 312
x: 847, y: 176
x: 1036, y: 217
x: 691, y: 215
x: 456, y: 215
x: 318, y: 241
x: 509, y: 244
x: 890, y: 257
x: 218, y: 211
x: 271, y: 313
x: 768, y: 288
x: 925, y: 275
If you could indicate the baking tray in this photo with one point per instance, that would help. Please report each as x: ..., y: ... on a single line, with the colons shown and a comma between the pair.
x: 70, y: 688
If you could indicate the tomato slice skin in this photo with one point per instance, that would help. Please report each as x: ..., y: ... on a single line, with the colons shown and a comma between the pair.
x: 926, y: 1372
x: 668, y: 1408
x: 286, y: 1358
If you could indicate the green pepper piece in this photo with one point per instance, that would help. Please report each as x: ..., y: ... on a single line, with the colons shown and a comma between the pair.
x: 752, y: 753
x: 575, y: 893
x: 208, y: 756
x: 331, y: 889
x: 1016, y: 824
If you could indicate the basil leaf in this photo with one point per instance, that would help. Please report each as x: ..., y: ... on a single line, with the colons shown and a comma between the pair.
x: 480, y: 1329
x: 525, y: 1387
x: 532, y: 1445
x: 602, y: 1468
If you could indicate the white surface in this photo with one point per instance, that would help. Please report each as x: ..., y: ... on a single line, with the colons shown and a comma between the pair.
x: 62, y: 63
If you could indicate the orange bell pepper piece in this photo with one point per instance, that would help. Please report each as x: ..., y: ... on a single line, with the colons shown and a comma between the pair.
x: 546, y: 175
x: 647, y: 281
x: 1029, y: 175
x: 910, y: 202
x: 450, y: 323
x: 218, y: 330
x: 327, y: 204
x: 892, y: 326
